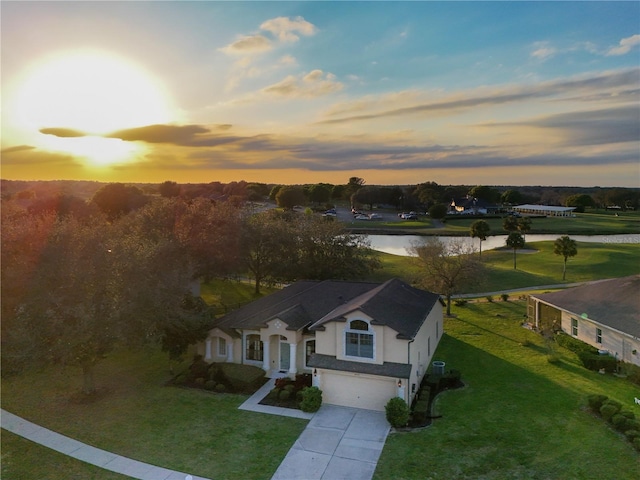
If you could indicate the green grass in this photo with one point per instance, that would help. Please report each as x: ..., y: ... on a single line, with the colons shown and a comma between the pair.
x: 542, y: 267
x: 601, y: 223
x: 186, y: 430
x: 518, y: 417
x: 231, y: 293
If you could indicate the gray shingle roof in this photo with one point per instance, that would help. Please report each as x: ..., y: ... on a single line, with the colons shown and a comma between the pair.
x: 615, y: 302
x: 387, y: 369
x: 312, y: 303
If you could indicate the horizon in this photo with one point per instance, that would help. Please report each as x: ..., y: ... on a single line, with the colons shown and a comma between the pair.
x: 484, y: 93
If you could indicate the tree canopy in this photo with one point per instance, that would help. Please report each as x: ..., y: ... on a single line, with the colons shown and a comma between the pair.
x: 447, y: 268
x: 515, y: 241
x: 567, y: 247
x: 480, y: 229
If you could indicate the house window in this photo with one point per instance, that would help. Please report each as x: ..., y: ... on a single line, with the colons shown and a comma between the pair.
x: 598, y: 335
x: 254, y: 347
x: 358, y: 340
x: 309, y: 349
x: 574, y: 327
x: 222, y: 347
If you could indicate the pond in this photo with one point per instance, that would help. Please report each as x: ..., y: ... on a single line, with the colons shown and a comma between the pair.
x: 398, y: 244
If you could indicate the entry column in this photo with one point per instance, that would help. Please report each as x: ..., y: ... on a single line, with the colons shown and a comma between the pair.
x: 292, y: 359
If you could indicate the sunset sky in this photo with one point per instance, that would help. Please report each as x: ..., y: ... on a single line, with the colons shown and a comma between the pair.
x: 495, y: 93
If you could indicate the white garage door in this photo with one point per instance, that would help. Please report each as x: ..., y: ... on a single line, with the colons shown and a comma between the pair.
x: 360, y: 391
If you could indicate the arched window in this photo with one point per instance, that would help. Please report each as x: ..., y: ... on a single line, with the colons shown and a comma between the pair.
x: 359, y: 340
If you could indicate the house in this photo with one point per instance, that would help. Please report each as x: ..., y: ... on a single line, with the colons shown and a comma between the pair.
x: 364, y: 343
x: 472, y: 206
x: 604, y: 314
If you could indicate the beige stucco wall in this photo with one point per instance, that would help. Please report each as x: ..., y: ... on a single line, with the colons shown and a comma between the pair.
x: 356, y: 390
x: 616, y: 343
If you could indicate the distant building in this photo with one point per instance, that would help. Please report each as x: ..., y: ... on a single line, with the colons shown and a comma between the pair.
x: 472, y: 206
x: 549, y: 211
x: 604, y: 314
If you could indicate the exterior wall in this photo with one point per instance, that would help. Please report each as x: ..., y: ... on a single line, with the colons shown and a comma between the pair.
x: 326, y: 340
x: 378, y: 346
x: 356, y: 390
x: 618, y: 344
x: 423, y: 348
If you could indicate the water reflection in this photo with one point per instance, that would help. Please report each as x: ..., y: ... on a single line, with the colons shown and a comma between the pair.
x: 398, y: 244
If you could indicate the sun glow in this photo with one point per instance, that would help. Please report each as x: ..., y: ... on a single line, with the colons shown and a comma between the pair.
x: 93, y: 92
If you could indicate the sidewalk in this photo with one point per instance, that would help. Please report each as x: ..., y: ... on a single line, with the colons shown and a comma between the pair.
x: 87, y: 453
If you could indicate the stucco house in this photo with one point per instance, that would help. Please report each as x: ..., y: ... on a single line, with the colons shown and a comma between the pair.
x: 604, y: 314
x: 364, y: 343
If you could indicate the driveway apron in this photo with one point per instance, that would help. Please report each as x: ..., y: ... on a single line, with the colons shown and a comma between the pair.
x: 338, y: 443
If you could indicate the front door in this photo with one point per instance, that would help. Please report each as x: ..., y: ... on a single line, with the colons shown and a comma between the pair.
x: 285, y: 356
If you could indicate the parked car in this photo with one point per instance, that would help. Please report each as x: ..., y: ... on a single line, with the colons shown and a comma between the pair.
x: 375, y: 216
x: 361, y: 216
x: 409, y: 216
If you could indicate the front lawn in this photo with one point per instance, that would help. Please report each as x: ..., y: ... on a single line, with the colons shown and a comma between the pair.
x: 189, y: 430
x: 519, y: 415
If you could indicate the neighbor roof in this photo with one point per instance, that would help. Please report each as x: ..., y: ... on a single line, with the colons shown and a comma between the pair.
x: 313, y: 303
x: 614, y: 303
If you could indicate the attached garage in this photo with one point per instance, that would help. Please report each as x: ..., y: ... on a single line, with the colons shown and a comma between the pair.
x: 357, y: 390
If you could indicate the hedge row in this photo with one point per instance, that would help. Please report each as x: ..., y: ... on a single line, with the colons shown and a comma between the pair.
x: 622, y: 420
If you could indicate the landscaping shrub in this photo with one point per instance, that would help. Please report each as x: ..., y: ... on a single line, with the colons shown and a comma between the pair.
x: 636, y: 443
x: 290, y: 388
x: 397, y: 412
x: 632, y: 435
x: 209, y: 385
x: 633, y: 424
x: 632, y: 371
x: 553, y: 358
x: 180, y: 379
x: 198, y: 368
x: 619, y: 422
x: 608, y: 410
x: 311, y: 399
x: 489, y: 299
x: 199, y: 381
x: 595, y: 402
x: 505, y: 297
x: 220, y: 388
x: 284, y: 394
x: 460, y: 302
x: 574, y: 344
x: 420, y: 411
x: 595, y: 362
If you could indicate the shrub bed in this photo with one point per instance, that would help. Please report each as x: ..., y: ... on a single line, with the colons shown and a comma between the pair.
x: 432, y: 385
x: 288, y: 393
x: 220, y: 377
x: 622, y: 420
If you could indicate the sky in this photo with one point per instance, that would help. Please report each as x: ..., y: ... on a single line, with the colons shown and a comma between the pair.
x: 472, y: 93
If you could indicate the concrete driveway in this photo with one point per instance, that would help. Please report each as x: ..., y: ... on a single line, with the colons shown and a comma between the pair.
x: 338, y: 443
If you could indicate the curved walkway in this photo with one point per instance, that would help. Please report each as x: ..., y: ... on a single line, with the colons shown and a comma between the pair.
x: 87, y: 453
x: 337, y: 443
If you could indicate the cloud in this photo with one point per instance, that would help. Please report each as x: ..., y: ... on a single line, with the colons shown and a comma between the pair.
x: 313, y: 84
x: 543, y: 51
x: 17, y: 148
x: 455, y: 103
x: 286, y: 29
x: 248, y: 45
x: 597, y: 127
x: 185, y: 135
x: 625, y: 45
x: 63, y: 132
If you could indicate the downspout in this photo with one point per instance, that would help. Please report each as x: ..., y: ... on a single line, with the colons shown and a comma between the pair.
x: 409, y: 392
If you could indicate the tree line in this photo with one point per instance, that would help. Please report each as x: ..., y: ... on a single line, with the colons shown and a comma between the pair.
x: 82, y: 278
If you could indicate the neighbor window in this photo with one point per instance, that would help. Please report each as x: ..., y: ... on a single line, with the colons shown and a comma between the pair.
x: 574, y: 327
x: 358, y: 340
x: 222, y: 347
x: 598, y: 335
x: 254, y: 347
x: 309, y: 349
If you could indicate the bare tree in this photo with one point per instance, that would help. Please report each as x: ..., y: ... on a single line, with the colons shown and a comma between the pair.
x: 447, y: 269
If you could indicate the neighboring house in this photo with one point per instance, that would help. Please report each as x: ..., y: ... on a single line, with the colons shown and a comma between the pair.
x: 604, y: 314
x: 472, y: 206
x: 364, y: 343
x: 547, y: 210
